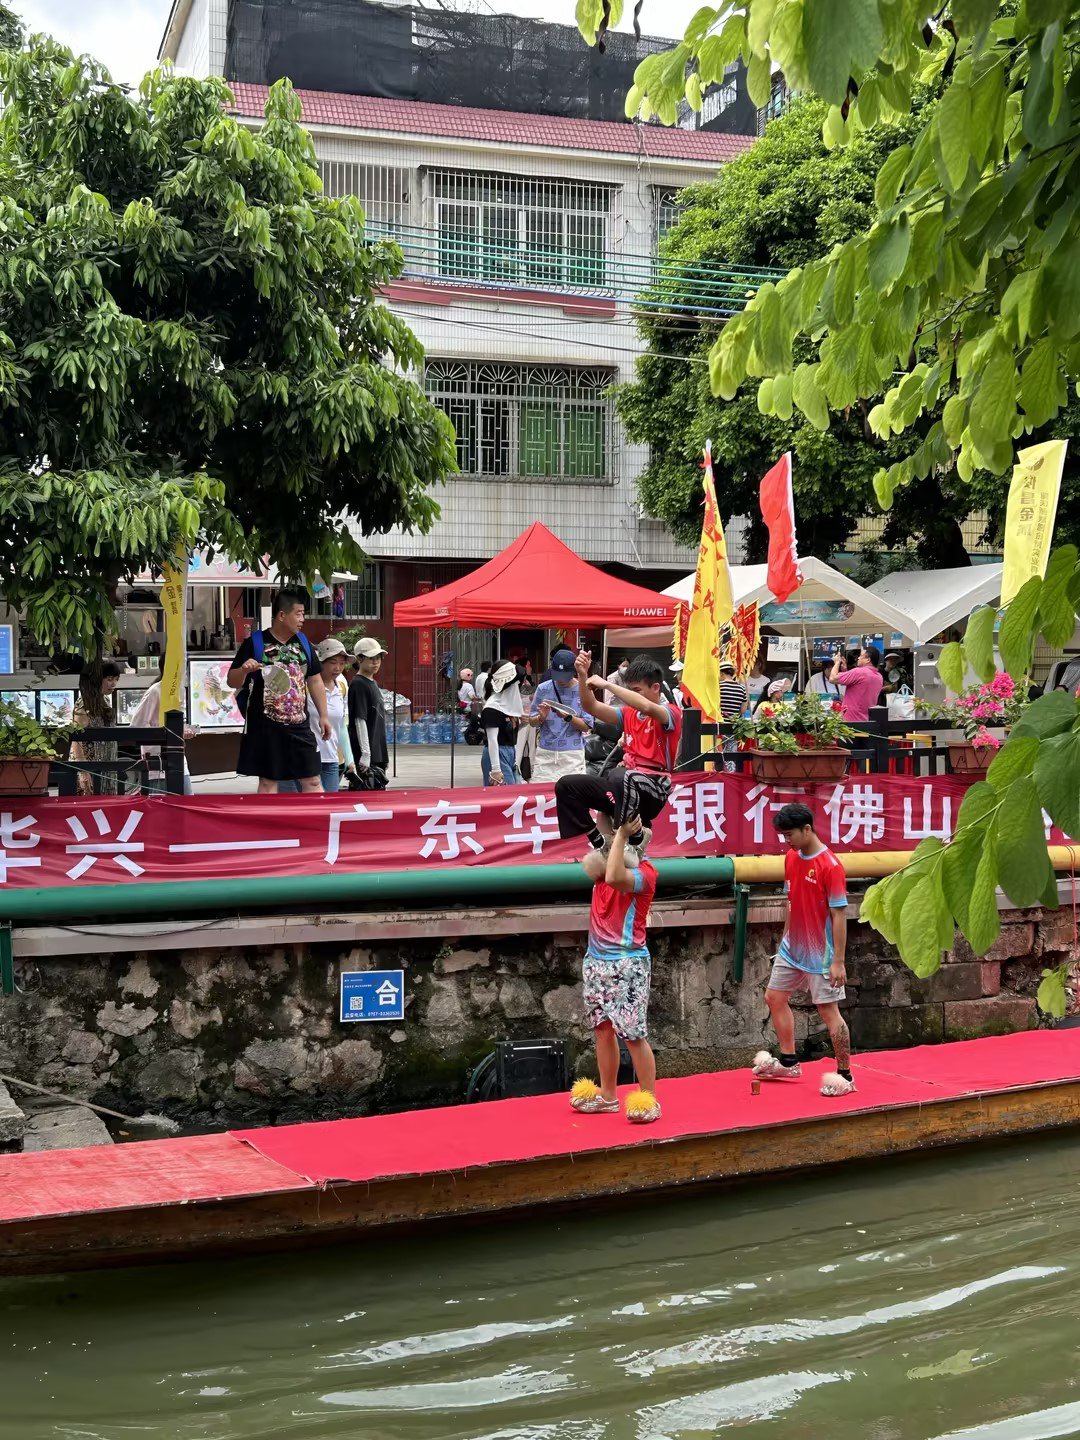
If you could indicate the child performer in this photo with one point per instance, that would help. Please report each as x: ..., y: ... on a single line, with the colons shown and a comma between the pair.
x: 636, y: 791
x: 812, y: 950
x: 616, y: 972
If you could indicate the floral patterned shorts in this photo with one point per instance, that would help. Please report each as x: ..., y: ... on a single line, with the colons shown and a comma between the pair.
x: 618, y: 991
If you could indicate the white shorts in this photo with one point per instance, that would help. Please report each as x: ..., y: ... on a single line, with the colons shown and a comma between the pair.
x: 550, y: 765
x: 791, y: 980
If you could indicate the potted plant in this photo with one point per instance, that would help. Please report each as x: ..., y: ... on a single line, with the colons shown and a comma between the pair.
x: 801, y: 739
x: 995, y: 703
x: 26, y: 751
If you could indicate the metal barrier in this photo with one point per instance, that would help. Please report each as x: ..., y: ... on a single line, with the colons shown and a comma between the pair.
x: 880, y: 750
x: 167, y: 738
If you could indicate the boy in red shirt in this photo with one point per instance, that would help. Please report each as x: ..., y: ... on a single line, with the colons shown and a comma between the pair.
x: 616, y: 973
x: 812, y: 950
x: 636, y: 791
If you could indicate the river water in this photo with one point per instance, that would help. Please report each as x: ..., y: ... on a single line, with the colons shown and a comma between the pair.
x: 933, y: 1298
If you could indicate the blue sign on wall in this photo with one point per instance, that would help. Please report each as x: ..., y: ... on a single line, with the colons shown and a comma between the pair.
x: 7, y: 650
x: 372, y: 995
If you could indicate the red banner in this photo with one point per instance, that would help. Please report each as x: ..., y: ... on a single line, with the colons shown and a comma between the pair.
x: 122, y: 841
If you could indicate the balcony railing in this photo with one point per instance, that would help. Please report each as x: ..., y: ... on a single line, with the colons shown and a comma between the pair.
x: 643, y: 282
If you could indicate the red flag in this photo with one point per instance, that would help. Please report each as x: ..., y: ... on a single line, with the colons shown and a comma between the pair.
x: 778, y: 512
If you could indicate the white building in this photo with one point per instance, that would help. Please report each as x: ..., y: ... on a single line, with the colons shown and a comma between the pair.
x: 527, y: 238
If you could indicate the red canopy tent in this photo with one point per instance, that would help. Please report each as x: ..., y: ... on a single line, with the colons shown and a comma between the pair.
x: 536, y: 582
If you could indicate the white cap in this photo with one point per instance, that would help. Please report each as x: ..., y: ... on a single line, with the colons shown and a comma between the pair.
x: 368, y: 647
x: 676, y: 666
x: 328, y: 648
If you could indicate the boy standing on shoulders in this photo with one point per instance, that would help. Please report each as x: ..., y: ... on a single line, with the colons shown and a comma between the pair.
x: 616, y: 974
x: 635, y: 792
x: 812, y: 951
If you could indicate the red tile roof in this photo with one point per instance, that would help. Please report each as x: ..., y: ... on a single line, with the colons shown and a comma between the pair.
x: 504, y: 127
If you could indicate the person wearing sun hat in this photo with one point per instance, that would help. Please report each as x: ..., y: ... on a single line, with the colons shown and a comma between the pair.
x: 367, y: 713
x: 335, y: 753
x: 499, y: 719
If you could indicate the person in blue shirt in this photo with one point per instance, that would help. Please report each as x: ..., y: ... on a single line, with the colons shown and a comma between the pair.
x: 560, y: 748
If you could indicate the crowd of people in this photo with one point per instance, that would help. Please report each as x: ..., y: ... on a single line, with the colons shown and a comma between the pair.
x: 314, y: 716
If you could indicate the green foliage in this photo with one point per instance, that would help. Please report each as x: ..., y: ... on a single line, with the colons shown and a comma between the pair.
x: 963, y: 290
x: 788, y: 726
x: 11, y: 31
x: 21, y: 737
x: 786, y: 202
x: 999, y: 839
x: 191, y: 347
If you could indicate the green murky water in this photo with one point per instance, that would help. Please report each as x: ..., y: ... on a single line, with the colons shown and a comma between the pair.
x: 903, y: 1302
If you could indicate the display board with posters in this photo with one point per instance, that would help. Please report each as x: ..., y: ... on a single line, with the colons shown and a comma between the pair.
x: 56, y: 707
x: 24, y: 700
x: 212, y: 704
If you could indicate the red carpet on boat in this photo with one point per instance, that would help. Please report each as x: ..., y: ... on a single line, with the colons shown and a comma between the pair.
x: 136, y: 1176
x: 246, y: 1163
x: 464, y: 1136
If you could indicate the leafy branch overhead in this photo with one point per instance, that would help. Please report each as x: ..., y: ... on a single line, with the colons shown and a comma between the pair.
x: 966, y: 286
x: 192, y: 349
x: 1001, y: 830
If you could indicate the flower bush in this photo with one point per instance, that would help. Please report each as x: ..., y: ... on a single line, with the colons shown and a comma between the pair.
x: 788, y: 726
x: 995, y: 703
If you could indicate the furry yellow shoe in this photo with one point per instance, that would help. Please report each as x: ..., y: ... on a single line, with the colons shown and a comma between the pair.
x: 587, y: 1099
x: 642, y: 1108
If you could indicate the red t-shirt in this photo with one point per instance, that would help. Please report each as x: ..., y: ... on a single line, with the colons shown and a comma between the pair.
x: 617, y: 920
x: 646, y: 744
x: 814, y: 887
x: 862, y: 688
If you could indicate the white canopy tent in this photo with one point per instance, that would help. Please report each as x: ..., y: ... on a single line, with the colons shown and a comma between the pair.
x: 827, y: 602
x: 935, y: 600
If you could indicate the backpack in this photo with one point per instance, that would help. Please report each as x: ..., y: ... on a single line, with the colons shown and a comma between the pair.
x: 243, y: 695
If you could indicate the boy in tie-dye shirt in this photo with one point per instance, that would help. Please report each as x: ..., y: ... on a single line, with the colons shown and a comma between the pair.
x: 617, y: 973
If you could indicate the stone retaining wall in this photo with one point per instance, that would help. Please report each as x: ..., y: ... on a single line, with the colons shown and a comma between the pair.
x: 214, y: 1036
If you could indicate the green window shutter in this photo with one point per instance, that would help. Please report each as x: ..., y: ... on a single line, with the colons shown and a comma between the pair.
x: 538, y: 438
x: 585, y: 442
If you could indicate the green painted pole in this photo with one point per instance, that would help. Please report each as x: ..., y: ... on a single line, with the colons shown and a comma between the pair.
x: 742, y: 920
x: 329, y: 892
x: 7, y: 962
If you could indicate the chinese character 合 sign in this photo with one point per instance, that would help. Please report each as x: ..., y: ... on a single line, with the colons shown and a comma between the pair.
x: 372, y: 995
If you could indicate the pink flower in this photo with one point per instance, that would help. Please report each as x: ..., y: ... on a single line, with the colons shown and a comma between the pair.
x: 983, y: 740
x: 1002, y: 686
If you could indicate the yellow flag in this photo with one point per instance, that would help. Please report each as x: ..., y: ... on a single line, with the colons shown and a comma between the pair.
x: 711, y: 609
x: 172, y: 602
x: 1030, y: 515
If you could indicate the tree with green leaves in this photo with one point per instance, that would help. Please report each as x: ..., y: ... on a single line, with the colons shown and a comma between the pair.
x: 11, y: 31
x: 786, y: 201
x: 191, y: 347
x: 965, y: 288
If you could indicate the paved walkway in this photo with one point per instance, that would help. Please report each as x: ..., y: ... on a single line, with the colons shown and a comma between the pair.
x: 419, y: 767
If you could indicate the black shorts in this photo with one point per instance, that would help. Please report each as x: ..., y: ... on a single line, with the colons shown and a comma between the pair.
x: 279, y: 752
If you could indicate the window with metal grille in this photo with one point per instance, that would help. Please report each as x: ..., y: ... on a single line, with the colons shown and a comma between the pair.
x: 668, y: 211
x: 383, y: 190
x: 527, y: 421
x: 506, y: 230
x: 359, y: 599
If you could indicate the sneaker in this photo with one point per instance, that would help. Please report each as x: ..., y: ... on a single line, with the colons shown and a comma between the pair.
x: 642, y: 1108
x: 586, y: 1099
x: 768, y: 1067
x: 637, y: 852
x: 834, y: 1084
